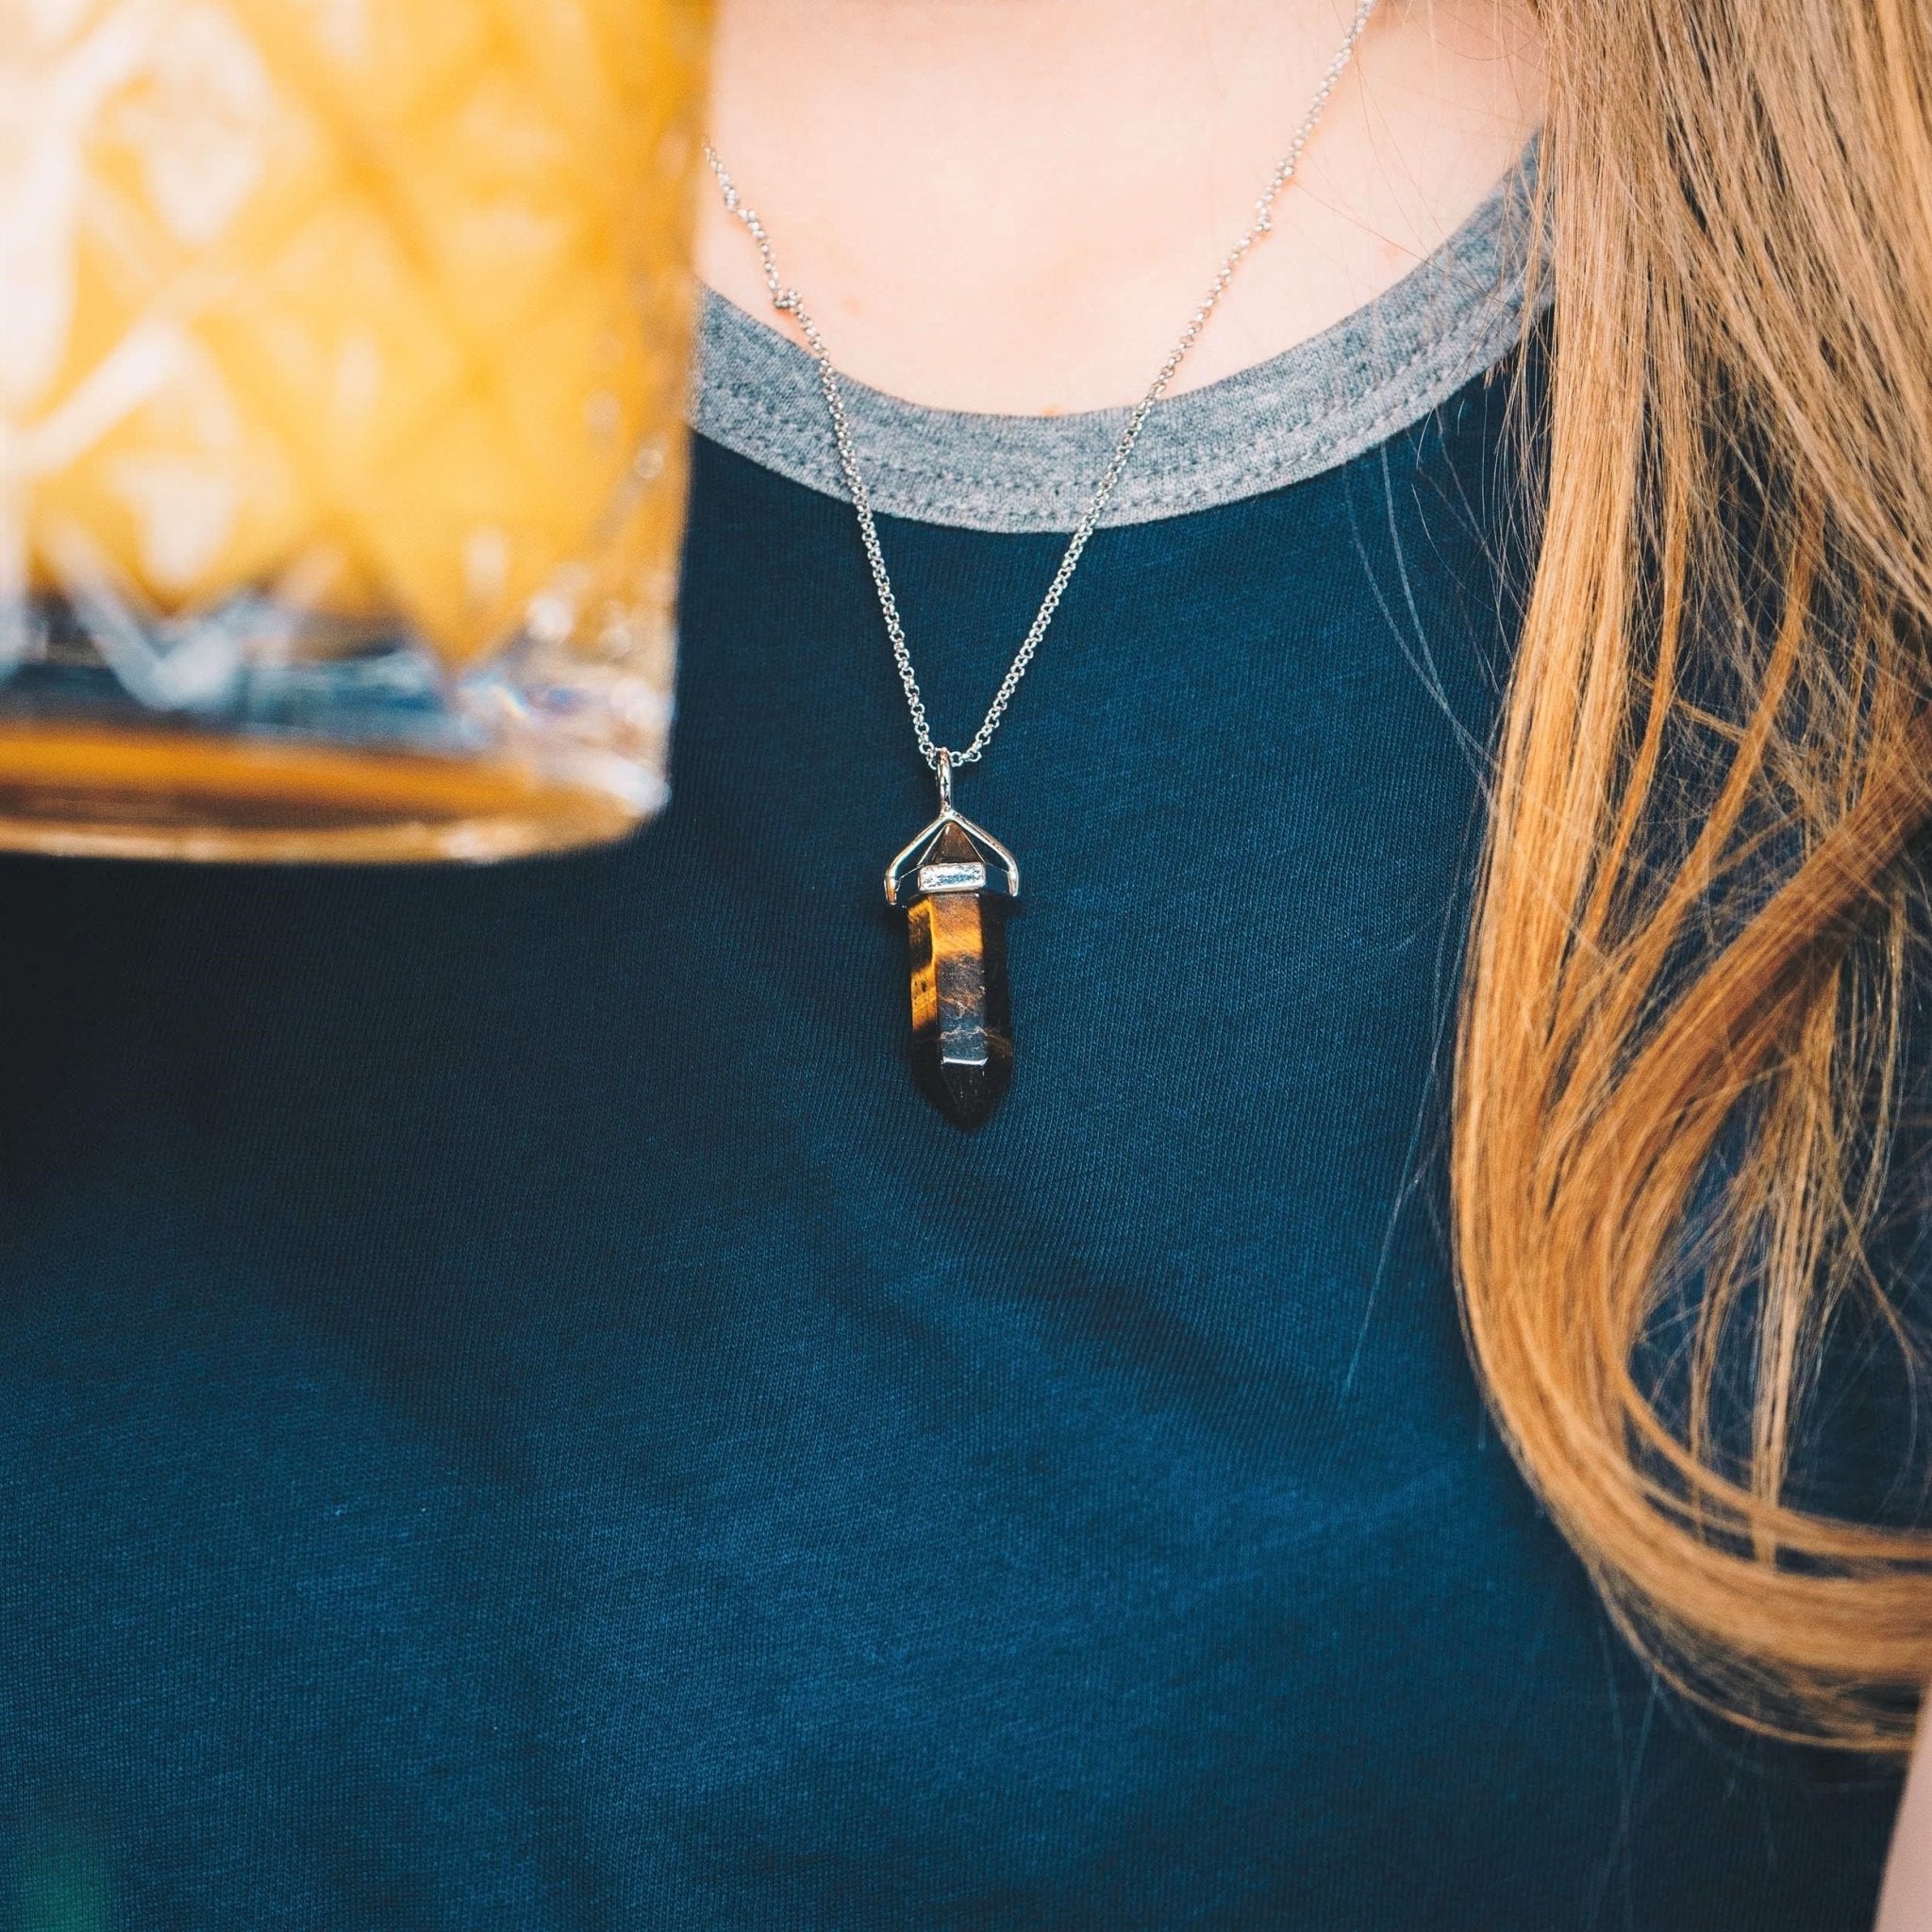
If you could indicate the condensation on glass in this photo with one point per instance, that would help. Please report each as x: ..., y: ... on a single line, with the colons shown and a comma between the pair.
x: 342, y: 365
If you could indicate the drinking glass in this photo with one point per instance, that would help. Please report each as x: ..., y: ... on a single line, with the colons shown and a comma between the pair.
x: 343, y: 366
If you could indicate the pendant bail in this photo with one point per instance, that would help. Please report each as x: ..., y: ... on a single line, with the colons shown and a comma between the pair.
x: 942, y: 771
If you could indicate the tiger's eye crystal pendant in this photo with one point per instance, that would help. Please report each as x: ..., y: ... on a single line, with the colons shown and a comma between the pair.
x: 955, y: 882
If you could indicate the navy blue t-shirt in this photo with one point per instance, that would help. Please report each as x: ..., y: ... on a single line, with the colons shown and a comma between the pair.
x: 514, y: 1413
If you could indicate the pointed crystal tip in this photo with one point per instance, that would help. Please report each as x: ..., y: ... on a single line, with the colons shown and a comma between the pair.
x: 966, y: 1092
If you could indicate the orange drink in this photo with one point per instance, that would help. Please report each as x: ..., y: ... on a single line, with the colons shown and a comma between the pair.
x: 342, y: 365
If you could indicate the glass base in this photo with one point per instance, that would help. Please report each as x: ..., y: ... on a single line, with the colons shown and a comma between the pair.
x: 72, y: 788
x: 367, y: 751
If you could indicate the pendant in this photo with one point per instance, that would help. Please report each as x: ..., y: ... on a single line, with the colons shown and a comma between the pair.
x: 955, y: 882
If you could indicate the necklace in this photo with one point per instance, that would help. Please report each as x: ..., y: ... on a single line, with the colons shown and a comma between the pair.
x: 953, y: 879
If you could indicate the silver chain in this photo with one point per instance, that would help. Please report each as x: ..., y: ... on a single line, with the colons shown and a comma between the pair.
x: 788, y: 302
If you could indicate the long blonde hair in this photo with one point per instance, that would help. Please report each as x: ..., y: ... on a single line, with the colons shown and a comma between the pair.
x: 1669, y: 1070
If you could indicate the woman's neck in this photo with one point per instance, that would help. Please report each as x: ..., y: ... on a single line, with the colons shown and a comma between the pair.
x: 1014, y: 204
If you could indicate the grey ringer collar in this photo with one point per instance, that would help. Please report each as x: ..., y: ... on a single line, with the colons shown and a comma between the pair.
x: 1326, y: 400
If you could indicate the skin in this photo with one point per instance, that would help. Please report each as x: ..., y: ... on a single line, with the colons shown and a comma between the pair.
x: 1906, y: 1904
x: 1014, y: 206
